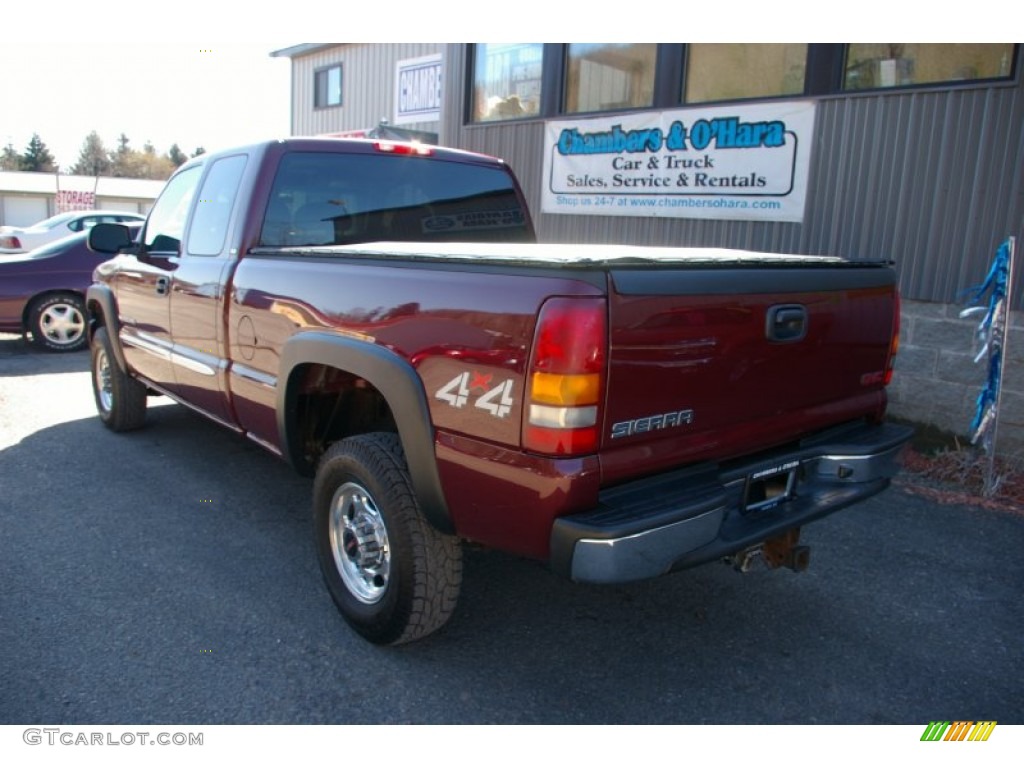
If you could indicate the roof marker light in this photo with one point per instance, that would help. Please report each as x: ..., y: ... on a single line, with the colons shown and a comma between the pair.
x: 403, y: 148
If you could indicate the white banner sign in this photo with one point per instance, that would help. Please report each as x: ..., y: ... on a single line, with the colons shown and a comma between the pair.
x: 418, y: 90
x: 721, y: 162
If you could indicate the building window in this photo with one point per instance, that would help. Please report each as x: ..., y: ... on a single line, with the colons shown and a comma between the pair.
x: 608, y: 76
x: 896, y: 65
x: 327, y: 87
x: 728, y: 71
x: 506, y: 80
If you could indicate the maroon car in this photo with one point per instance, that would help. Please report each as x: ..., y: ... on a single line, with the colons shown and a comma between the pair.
x: 42, y: 292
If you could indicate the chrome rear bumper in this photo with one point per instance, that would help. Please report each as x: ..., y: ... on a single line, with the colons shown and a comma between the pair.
x: 688, y: 517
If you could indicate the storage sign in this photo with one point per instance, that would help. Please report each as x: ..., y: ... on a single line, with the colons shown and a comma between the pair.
x: 418, y: 90
x: 734, y: 162
x: 74, y: 200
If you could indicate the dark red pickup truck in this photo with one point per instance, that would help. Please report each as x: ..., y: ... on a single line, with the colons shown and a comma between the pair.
x: 379, y: 315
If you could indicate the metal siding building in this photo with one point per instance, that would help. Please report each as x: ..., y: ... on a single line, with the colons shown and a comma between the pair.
x: 28, y: 197
x: 931, y: 177
x: 368, y: 85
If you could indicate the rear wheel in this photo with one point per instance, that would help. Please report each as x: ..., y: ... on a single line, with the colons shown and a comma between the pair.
x: 120, y: 399
x: 393, y: 577
x: 57, y: 322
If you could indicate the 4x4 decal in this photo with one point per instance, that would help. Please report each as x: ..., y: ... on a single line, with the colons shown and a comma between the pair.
x: 497, y: 401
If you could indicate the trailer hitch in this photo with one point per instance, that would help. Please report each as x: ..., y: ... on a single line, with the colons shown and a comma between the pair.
x: 782, y: 551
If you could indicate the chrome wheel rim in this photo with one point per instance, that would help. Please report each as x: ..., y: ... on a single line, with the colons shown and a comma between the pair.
x: 62, y: 324
x: 101, y: 377
x: 359, y: 543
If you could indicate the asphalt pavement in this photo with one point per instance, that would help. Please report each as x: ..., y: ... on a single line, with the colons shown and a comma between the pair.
x: 168, y: 576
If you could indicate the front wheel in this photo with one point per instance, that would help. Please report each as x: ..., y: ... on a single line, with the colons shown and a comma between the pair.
x: 393, y: 577
x: 120, y: 399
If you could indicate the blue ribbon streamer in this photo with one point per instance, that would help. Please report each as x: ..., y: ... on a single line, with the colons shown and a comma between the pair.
x: 990, y: 331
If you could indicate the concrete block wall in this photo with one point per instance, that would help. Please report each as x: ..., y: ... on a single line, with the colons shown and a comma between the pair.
x: 937, y: 382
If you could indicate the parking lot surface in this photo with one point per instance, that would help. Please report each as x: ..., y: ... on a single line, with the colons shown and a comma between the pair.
x: 168, y: 576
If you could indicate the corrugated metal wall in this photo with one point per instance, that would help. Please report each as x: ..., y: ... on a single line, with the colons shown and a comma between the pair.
x: 367, y: 87
x: 933, y: 180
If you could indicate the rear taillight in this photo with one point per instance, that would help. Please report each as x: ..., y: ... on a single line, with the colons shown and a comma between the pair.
x: 566, y: 377
x: 894, y: 345
x: 9, y: 241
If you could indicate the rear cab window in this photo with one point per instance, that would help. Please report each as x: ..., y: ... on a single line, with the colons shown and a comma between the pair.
x: 340, y: 199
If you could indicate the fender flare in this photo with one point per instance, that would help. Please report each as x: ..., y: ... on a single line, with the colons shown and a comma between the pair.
x: 398, y: 383
x: 104, y: 297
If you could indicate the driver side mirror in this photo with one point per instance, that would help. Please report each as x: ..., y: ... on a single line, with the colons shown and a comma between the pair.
x: 109, y: 238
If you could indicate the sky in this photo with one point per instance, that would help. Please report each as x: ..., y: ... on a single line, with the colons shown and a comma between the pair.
x: 69, y: 69
x: 202, y: 94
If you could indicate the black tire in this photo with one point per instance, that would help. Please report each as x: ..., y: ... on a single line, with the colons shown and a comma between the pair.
x: 57, y: 322
x: 120, y: 399
x: 393, y: 577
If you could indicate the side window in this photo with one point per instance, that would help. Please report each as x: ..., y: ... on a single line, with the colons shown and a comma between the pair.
x: 606, y: 76
x: 898, y: 65
x: 727, y: 71
x: 506, y: 80
x: 166, y: 223
x: 213, y: 211
x: 327, y: 87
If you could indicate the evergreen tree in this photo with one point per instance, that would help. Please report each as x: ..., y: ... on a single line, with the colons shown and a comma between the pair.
x: 176, y: 156
x: 153, y: 166
x: 10, y: 160
x: 132, y: 164
x: 124, y: 161
x: 37, y: 157
x: 93, y: 159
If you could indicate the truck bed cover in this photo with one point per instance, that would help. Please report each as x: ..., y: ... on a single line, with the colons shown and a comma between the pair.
x: 564, y: 254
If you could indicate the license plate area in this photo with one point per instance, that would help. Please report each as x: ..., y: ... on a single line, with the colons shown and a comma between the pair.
x: 768, y: 488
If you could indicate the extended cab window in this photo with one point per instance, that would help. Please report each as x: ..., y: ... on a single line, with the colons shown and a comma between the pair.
x: 338, y: 199
x: 166, y: 223
x: 213, y: 211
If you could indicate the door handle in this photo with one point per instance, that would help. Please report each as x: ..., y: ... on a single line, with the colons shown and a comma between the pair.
x: 162, y: 285
x: 786, y: 322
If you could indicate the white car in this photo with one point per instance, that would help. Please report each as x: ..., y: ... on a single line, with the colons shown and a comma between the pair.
x: 20, y: 239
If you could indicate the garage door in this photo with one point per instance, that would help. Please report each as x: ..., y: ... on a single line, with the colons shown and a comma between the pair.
x: 22, y: 211
x: 111, y: 204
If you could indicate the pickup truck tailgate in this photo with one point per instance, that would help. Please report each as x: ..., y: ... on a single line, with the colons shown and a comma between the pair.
x: 718, y: 361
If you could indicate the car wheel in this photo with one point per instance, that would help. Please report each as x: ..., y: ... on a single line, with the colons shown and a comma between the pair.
x: 120, y: 399
x: 393, y: 577
x: 57, y: 322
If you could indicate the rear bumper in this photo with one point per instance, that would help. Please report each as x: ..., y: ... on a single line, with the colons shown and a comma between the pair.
x: 688, y: 517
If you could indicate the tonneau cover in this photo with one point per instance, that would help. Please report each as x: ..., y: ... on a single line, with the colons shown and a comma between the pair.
x: 561, y: 254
